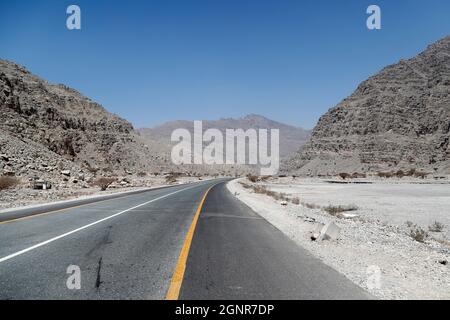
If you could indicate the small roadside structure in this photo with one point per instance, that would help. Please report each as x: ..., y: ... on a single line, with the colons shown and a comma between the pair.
x: 41, y: 185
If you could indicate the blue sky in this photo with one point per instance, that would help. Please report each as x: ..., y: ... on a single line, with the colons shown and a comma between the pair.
x: 155, y: 61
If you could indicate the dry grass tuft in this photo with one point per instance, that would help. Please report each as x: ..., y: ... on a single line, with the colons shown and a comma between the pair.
x: 417, y: 233
x: 436, y: 227
x: 337, y: 211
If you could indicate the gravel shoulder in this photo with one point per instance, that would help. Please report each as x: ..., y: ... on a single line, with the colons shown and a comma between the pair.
x: 24, y: 197
x: 370, y: 242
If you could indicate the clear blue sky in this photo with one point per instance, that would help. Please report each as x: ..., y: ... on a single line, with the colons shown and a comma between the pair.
x: 154, y: 61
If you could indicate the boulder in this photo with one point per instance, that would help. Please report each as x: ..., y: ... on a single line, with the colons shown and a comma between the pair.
x: 316, y: 233
x: 65, y: 172
x: 329, y: 232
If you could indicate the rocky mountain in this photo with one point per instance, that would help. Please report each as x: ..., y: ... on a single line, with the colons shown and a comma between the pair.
x: 48, y: 128
x: 398, y: 118
x: 291, y: 138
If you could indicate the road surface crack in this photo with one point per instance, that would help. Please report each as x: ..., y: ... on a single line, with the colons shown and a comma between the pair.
x: 98, y: 281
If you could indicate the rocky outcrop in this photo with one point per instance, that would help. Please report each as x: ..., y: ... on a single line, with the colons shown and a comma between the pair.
x: 399, y: 118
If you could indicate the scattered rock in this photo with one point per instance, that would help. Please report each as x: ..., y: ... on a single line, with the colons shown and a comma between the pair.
x: 317, y: 231
x: 443, y: 262
x: 309, y: 219
x: 349, y: 215
x: 329, y: 232
x: 66, y: 173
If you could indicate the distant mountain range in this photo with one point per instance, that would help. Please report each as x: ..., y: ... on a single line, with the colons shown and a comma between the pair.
x: 291, y: 138
x: 397, y: 119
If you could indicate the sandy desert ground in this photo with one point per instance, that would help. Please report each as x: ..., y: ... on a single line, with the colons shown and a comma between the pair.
x: 391, y: 201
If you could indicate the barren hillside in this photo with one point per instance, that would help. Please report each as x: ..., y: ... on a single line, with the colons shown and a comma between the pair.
x: 59, y: 123
x: 397, y: 119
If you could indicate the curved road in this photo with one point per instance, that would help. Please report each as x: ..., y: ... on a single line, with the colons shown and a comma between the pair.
x: 130, y: 248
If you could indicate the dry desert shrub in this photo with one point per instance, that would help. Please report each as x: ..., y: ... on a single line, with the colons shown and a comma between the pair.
x: 245, y: 185
x: 358, y: 175
x: 419, y: 174
x: 418, y: 234
x: 263, y: 190
x: 337, y: 210
x: 172, y: 177
x: 400, y: 174
x: 260, y: 190
x: 7, y: 182
x: 311, y: 205
x: 436, y: 227
x: 409, y: 224
x: 385, y: 174
x: 104, y: 182
x: 344, y: 175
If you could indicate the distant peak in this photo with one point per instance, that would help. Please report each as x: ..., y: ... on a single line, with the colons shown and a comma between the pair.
x: 254, y: 116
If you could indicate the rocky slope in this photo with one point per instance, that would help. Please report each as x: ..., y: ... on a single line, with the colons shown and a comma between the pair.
x: 46, y: 128
x: 399, y: 118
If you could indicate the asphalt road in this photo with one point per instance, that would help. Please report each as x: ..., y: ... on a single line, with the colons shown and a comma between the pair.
x: 236, y: 254
x: 129, y: 247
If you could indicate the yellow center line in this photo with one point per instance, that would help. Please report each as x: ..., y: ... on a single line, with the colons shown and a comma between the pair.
x: 178, y: 275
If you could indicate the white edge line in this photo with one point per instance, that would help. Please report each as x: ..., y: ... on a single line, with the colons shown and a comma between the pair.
x: 18, y: 253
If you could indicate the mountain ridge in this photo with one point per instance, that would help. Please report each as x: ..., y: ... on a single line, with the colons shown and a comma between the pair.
x: 291, y: 137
